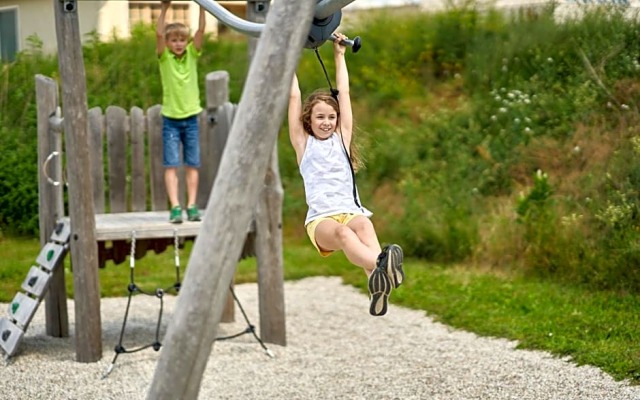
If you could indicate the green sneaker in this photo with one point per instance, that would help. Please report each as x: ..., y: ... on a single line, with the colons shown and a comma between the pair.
x: 192, y: 213
x: 175, y: 216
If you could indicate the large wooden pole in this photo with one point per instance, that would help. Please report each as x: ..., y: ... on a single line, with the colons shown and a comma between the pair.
x: 193, y: 329
x: 84, y: 250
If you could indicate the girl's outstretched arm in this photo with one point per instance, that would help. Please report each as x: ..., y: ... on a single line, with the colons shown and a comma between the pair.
x: 342, y: 84
x: 297, y: 135
x: 197, y: 37
x: 160, y: 42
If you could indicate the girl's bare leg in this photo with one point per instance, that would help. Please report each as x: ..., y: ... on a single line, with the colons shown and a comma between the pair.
x: 364, y: 229
x: 330, y: 235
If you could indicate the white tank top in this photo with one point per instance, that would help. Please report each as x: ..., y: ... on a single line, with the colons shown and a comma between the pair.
x: 328, y: 183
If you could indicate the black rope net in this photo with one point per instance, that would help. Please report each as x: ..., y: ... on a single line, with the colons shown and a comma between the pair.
x: 156, y: 344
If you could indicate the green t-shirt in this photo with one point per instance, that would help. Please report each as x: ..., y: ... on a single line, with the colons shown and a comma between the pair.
x: 180, y: 92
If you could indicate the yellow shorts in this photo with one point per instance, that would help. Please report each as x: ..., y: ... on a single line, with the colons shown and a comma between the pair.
x: 311, y: 228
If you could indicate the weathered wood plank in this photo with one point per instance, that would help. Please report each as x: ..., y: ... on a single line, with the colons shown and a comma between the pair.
x: 138, y: 173
x: 116, y: 118
x: 50, y: 202
x: 156, y: 170
x: 96, y: 135
x: 219, y: 117
x: 146, y: 225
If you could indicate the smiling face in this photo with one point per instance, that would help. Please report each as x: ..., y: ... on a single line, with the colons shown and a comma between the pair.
x: 324, y: 120
x: 320, y: 116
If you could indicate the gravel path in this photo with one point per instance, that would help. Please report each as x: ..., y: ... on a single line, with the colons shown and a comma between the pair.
x: 335, y: 350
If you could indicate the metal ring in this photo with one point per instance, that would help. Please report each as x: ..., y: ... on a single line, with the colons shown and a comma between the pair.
x: 44, y: 168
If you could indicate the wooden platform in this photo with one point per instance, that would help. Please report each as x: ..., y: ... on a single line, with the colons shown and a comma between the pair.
x: 146, y: 224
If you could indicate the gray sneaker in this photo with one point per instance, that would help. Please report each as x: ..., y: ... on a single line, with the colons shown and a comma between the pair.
x: 394, y: 264
x: 379, y: 291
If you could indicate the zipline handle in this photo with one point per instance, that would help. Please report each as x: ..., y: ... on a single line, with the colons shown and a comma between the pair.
x: 355, y: 44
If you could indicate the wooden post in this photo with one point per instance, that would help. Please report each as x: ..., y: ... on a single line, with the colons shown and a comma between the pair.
x: 84, y: 250
x: 50, y: 201
x: 193, y: 329
x: 268, y: 241
x: 216, y: 130
x: 218, y: 118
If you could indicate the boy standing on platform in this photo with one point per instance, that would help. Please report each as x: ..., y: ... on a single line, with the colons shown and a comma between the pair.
x: 177, y: 58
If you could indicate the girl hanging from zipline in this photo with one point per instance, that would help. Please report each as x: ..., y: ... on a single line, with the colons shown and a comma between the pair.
x: 320, y: 131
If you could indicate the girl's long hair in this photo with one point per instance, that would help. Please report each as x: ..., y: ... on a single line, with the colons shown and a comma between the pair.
x: 326, y: 97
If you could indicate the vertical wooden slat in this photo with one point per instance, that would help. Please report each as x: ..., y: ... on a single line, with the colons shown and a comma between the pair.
x: 138, y: 174
x: 117, y: 153
x: 204, y: 179
x: 156, y: 170
x: 50, y: 201
x: 96, y: 134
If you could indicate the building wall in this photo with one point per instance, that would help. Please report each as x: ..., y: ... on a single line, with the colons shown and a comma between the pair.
x: 106, y: 17
x: 36, y: 17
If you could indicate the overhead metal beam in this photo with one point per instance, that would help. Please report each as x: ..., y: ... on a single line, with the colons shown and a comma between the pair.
x: 324, y: 9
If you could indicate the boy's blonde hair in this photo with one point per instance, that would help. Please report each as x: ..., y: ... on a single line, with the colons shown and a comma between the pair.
x: 176, y: 28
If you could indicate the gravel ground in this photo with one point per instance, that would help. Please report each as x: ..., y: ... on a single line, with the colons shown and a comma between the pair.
x: 335, y: 350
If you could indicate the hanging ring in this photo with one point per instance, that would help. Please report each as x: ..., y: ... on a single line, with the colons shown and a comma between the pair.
x: 44, y: 168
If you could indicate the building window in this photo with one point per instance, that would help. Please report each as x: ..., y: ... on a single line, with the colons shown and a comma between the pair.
x: 8, y: 34
x: 148, y: 13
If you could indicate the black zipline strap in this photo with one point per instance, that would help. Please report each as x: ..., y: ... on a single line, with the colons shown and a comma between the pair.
x: 353, y: 173
x: 334, y: 94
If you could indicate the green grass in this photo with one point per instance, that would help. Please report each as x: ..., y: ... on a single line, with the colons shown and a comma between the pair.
x: 591, y: 327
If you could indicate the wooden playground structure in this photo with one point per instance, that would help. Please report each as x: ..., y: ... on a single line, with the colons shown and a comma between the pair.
x: 106, y: 209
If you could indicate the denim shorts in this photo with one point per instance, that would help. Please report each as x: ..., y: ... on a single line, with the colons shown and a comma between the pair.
x: 176, y: 131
